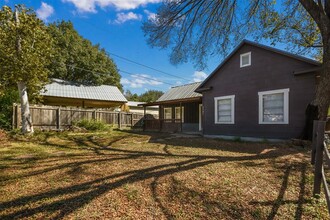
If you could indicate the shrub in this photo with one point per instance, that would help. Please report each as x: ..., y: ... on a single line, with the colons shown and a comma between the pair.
x: 6, y: 108
x: 92, y: 125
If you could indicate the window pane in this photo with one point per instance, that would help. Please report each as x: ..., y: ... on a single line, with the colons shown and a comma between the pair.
x: 224, y: 101
x: 177, y: 113
x: 224, y: 113
x: 168, y: 113
x: 224, y: 118
x: 224, y: 110
x: 273, y: 118
x: 245, y: 60
x: 273, y: 107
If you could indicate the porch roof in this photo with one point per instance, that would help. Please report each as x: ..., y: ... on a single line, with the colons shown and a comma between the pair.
x: 193, y: 99
x: 184, y: 93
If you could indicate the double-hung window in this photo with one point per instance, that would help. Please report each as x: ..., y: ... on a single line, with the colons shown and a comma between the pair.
x: 274, y: 107
x: 224, y: 108
x: 178, y: 113
x: 167, y: 113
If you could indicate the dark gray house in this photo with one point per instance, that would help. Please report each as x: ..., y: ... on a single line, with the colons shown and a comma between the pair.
x: 258, y: 91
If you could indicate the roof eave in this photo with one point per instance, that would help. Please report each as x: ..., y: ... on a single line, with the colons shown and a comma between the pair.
x: 307, y: 71
x: 172, y: 101
x: 102, y: 100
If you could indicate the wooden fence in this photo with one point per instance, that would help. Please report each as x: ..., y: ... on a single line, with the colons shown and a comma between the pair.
x: 320, y: 157
x: 56, y: 118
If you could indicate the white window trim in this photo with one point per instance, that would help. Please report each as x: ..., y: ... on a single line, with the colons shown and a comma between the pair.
x: 286, y: 105
x: 165, y: 114
x: 178, y: 108
x: 241, y: 59
x: 216, y: 99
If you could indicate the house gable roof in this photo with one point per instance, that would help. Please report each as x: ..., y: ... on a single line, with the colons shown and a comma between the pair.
x: 274, y: 50
x: 66, y: 89
x: 181, y: 92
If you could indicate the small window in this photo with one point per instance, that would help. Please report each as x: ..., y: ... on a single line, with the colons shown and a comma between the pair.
x: 178, y: 113
x: 245, y: 59
x: 224, y: 109
x: 167, y: 113
x: 274, y: 107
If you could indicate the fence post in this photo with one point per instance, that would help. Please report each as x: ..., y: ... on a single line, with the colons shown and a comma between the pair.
x: 132, y: 121
x: 119, y: 120
x: 58, y: 118
x: 14, y: 116
x: 94, y: 115
x: 320, y: 128
x: 314, y: 135
x: 144, y: 125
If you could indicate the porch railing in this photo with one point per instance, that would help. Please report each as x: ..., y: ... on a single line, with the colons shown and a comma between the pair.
x: 169, y: 125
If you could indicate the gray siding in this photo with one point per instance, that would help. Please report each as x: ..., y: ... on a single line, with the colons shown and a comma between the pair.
x: 269, y: 71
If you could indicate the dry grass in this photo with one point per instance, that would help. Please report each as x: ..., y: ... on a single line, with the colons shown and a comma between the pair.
x: 122, y: 175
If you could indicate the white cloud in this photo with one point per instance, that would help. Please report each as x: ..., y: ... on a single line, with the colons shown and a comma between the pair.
x: 130, y: 16
x: 199, y: 76
x: 140, y: 81
x: 151, y: 16
x: 90, y: 5
x: 45, y: 11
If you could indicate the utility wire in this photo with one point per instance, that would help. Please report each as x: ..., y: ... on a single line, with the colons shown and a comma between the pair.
x: 140, y: 64
x: 132, y: 61
x: 123, y: 71
x: 144, y: 77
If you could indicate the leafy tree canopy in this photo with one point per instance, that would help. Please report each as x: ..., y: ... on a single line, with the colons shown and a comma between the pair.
x: 27, y: 60
x: 77, y: 59
x: 198, y: 29
x: 149, y: 96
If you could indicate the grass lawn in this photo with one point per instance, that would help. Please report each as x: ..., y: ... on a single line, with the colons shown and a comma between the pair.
x: 125, y: 175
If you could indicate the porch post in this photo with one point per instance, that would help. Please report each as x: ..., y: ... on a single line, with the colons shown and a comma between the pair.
x: 161, y: 117
x: 181, y: 115
x: 144, y: 117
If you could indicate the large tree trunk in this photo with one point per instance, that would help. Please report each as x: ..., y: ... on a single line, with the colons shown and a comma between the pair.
x: 323, y: 88
x: 320, y: 12
x: 27, y: 126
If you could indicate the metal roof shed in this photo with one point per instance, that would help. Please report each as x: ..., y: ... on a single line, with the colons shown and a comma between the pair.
x: 66, y: 93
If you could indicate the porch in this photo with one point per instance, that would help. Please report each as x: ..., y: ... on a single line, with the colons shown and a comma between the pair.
x: 183, y: 116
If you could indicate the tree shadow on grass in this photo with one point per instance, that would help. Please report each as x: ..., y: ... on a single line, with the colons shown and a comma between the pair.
x: 179, y: 192
x: 276, y: 204
x: 76, y: 196
x: 199, y: 142
x: 92, y: 189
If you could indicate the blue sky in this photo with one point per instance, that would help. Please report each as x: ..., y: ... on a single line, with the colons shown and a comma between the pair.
x: 116, y: 26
